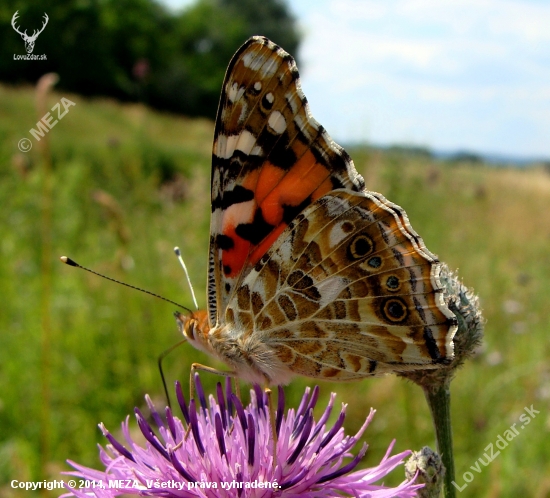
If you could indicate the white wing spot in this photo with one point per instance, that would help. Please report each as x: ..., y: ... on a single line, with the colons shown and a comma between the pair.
x: 245, y: 142
x: 285, y: 251
x: 277, y: 122
x: 293, y: 101
x: 243, y: 212
x: 270, y: 97
x: 306, y: 126
x: 336, y: 234
x: 330, y: 289
x: 234, y: 92
x: 262, y: 63
x: 336, y: 205
x: 257, y: 151
x: 244, y: 112
x: 257, y: 86
x: 224, y: 146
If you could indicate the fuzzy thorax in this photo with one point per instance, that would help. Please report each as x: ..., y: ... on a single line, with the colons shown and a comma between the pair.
x: 248, y: 357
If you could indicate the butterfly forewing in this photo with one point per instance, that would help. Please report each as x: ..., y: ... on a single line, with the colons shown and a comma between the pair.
x: 271, y: 159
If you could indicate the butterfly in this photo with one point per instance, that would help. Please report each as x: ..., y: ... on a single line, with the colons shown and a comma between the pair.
x: 309, y: 273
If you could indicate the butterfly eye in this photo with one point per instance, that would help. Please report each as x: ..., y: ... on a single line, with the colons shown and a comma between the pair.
x: 190, y: 329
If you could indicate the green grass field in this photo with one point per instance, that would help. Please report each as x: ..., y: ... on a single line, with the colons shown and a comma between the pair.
x: 128, y: 184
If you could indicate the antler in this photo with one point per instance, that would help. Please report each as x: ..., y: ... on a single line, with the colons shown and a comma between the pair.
x: 13, y: 19
x: 36, y: 33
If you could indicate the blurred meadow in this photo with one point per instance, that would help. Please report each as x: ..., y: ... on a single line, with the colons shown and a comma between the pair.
x: 128, y: 183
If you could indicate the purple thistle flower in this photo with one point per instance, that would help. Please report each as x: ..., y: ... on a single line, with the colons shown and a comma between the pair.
x: 226, y: 450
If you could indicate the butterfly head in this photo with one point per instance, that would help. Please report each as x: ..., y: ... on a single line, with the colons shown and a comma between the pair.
x: 195, y: 327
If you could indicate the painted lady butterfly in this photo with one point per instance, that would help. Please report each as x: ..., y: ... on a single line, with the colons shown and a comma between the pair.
x: 309, y: 273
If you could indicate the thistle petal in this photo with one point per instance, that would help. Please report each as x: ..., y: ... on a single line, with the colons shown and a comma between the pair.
x: 209, y: 447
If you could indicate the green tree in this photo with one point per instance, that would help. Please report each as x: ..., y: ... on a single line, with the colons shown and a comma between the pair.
x: 136, y: 49
x: 269, y: 18
x: 93, y: 45
x: 208, y: 34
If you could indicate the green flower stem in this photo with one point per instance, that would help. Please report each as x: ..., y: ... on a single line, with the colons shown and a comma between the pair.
x: 439, y: 400
x: 436, y: 382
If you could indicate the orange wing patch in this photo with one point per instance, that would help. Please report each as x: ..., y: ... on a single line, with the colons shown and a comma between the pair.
x: 279, y: 196
x: 270, y: 160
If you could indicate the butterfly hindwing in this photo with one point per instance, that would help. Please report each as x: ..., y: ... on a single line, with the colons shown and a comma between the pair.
x: 345, y: 293
x: 270, y: 160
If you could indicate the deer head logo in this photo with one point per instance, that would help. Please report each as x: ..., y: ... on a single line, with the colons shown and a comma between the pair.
x: 29, y: 40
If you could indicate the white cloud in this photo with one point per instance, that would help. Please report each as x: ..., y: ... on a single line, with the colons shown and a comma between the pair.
x: 442, y: 72
x: 447, y: 74
x: 523, y: 20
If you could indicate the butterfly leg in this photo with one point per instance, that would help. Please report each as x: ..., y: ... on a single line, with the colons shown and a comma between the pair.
x: 199, y: 367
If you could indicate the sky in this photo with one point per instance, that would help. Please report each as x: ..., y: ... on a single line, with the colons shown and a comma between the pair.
x: 449, y: 75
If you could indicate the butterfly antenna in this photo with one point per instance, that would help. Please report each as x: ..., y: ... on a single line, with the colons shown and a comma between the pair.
x: 178, y: 254
x: 70, y: 262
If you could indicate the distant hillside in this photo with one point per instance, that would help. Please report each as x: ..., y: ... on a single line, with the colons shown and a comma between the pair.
x: 462, y: 156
